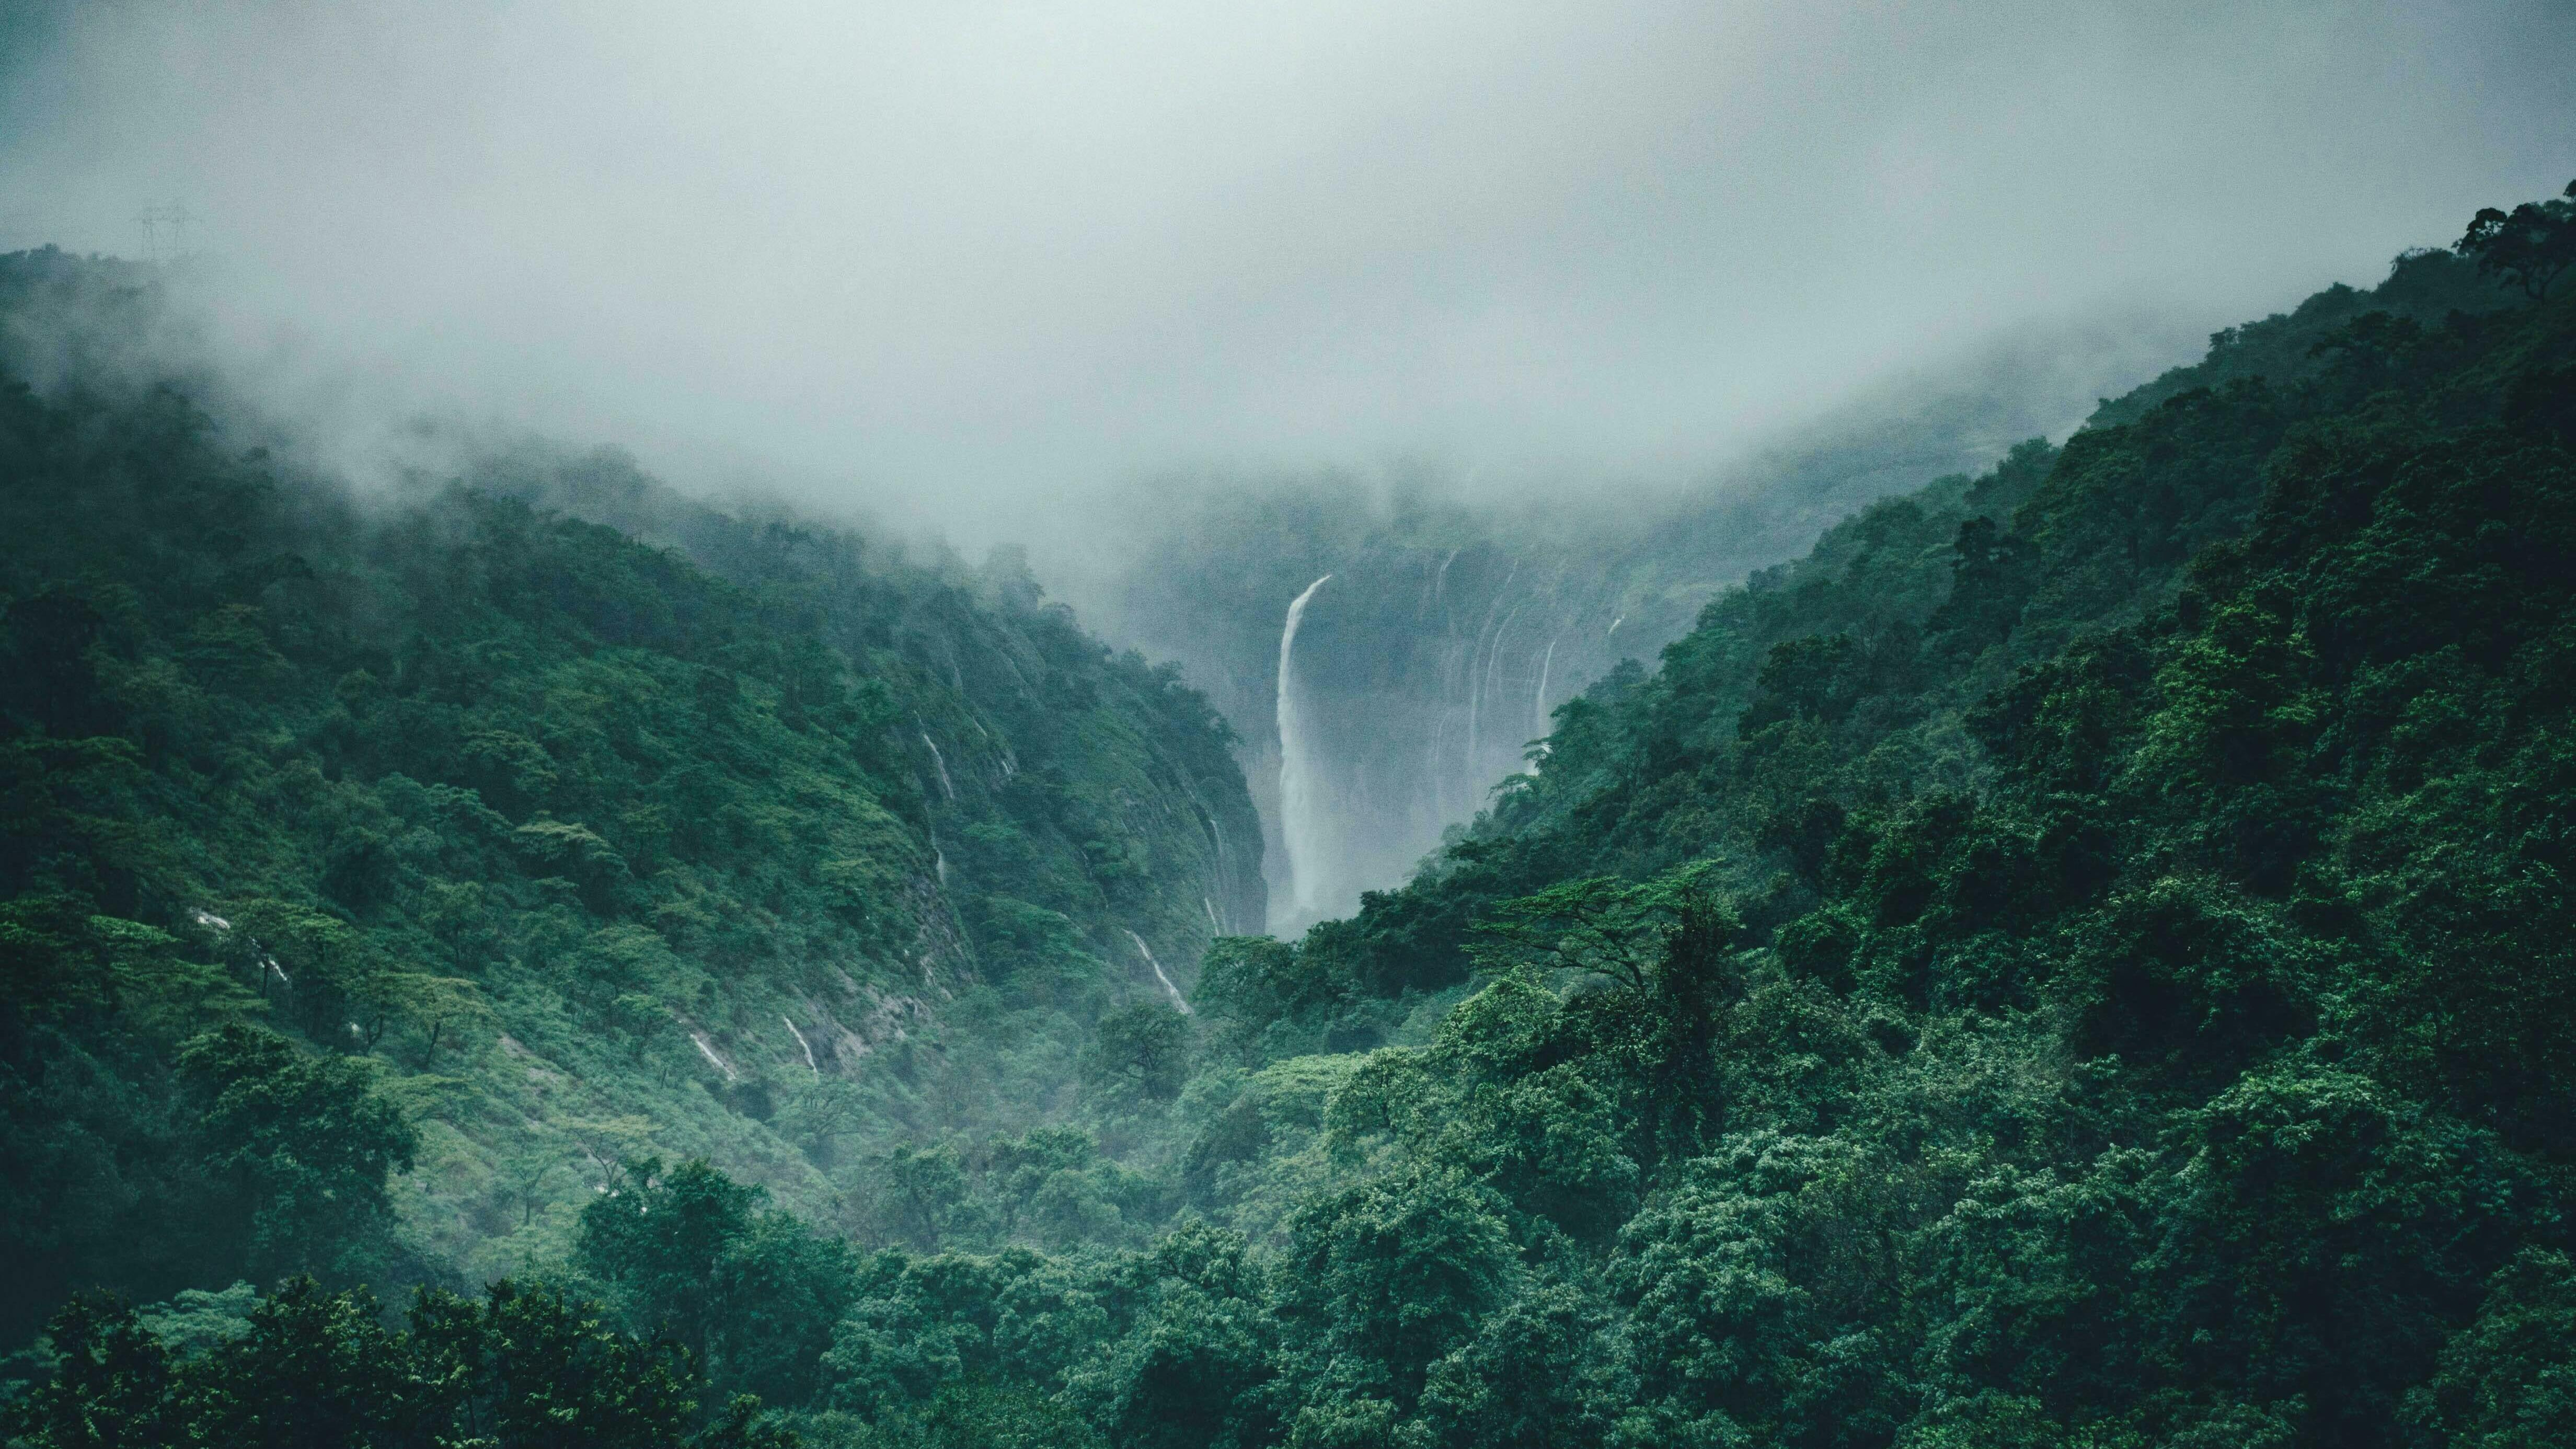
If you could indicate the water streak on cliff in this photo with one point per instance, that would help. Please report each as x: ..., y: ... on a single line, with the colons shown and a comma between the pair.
x: 1538, y: 707
x: 1177, y: 999
x: 1300, y: 825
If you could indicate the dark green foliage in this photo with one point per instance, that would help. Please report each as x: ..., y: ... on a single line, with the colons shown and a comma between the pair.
x: 982, y: 1416
x: 1054, y: 1187
x: 305, y: 1144
x: 1190, y: 1373
x: 1389, y: 1276
x: 2509, y: 1380
x: 461, y: 833
x: 1144, y: 1046
x: 749, y: 1289
x: 2082, y: 957
x: 2529, y: 246
x: 1252, y: 983
x: 111, y: 1384
x: 516, y: 1367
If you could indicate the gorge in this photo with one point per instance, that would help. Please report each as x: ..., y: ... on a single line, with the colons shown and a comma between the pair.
x: 2025, y: 905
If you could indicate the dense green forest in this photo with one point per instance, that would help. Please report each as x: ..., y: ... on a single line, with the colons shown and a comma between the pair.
x: 2083, y: 956
x: 383, y: 875
x: 1455, y: 620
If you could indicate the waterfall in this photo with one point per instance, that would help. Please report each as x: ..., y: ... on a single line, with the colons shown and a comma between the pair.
x: 1476, y: 684
x: 1439, y: 783
x: 1214, y: 925
x: 1297, y: 823
x: 1538, y: 706
x: 941, y: 761
x: 709, y: 1053
x: 1494, y: 668
x: 1158, y: 966
x: 1477, y: 780
x: 807, y: 1045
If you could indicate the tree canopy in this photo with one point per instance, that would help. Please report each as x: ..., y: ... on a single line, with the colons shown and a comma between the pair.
x: 2080, y: 956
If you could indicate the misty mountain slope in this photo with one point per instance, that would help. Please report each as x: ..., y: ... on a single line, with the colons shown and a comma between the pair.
x: 1450, y: 629
x: 2080, y: 956
x: 543, y: 849
x: 1885, y: 577
x: 1014, y: 668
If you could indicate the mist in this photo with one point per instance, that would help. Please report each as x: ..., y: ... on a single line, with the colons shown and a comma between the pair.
x: 957, y: 266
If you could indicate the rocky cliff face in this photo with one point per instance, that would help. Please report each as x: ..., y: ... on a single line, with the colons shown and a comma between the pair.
x: 1425, y: 671
x: 1421, y: 677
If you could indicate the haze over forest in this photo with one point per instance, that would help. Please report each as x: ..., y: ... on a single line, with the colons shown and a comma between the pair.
x: 1342, y: 727
x: 949, y: 267
x: 1060, y: 278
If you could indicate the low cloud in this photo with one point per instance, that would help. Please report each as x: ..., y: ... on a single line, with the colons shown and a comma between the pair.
x: 956, y: 263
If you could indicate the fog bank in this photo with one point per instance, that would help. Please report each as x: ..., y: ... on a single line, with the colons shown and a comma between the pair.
x: 954, y: 264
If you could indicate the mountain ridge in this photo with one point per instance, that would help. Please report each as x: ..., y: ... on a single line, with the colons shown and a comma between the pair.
x: 2081, y: 955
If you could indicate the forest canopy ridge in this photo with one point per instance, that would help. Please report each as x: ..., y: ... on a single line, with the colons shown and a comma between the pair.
x: 2082, y: 955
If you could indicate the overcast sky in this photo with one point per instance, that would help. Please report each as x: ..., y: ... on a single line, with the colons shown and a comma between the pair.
x: 946, y: 258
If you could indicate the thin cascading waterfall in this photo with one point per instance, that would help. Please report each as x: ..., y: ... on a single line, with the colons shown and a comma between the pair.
x: 941, y: 761
x: 1477, y: 678
x: 707, y: 1049
x: 1221, y: 862
x: 1177, y: 999
x: 1439, y: 785
x: 1493, y: 676
x: 1010, y: 766
x: 1299, y: 828
x: 1476, y: 778
x: 1476, y: 683
x: 1538, y: 706
x: 802, y: 1042
x: 1225, y: 870
x: 1457, y: 665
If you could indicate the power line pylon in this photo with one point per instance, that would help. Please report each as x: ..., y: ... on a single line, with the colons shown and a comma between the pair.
x: 165, y: 232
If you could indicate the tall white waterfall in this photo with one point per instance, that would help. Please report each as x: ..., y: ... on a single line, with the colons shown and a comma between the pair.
x: 1299, y: 828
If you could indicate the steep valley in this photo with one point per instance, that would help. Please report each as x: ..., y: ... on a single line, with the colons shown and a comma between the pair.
x: 2068, y: 943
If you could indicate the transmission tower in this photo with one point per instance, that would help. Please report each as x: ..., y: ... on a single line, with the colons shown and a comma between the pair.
x: 165, y: 232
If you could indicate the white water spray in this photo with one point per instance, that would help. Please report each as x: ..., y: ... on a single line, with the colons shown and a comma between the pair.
x: 941, y: 761
x: 1538, y: 707
x: 1298, y: 827
x: 807, y: 1045
x: 1158, y: 972
x: 709, y: 1053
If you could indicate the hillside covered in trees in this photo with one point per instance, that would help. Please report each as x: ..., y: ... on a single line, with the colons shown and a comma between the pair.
x: 2083, y: 956
x: 382, y: 874
x: 1454, y: 623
